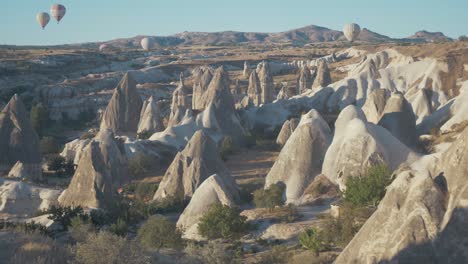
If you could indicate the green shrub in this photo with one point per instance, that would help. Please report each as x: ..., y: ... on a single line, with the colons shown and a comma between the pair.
x: 222, y: 221
x: 61, y: 166
x: 368, y: 189
x: 310, y: 239
x: 105, y: 247
x: 139, y: 165
x: 48, y: 145
x: 226, y: 148
x: 167, y: 205
x: 213, y: 252
x: 158, y: 232
x: 119, y: 228
x: 65, y: 214
x: 55, y: 163
x: 80, y: 229
x: 270, y: 197
x: 145, y: 191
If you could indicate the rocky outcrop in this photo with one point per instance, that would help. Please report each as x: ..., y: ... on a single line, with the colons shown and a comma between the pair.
x: 201, y: 80
x: 420, y: 103
x: 213, y: 190
x: 25, y: 171
x: 323, y: 78
x: 301, y: 158
x: 304, y: 80
x: 191, y: 167
x: 284, y: 93
x: 254, y: 92
x: 422, y: 218
x: 361, y: 146
x: 101, y: 170
x: 346, y: 115
x: 375, y: 105
x: 399, y: 119
x: 247, y: 70
x: 180, y: 104
x: 123, y: 111
x: 266, y: 83
x: 286, y: 131
x: 24, y: 200
x: 150, y: 118
x: 18, y: 140
x: 73, y: 150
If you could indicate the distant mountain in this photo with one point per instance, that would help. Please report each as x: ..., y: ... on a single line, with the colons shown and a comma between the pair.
x: 425, y: 36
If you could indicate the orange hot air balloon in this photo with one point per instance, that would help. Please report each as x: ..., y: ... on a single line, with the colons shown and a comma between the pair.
x: 43, y: 19
x: 58, y: 12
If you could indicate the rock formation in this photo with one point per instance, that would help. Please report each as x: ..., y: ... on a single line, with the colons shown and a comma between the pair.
x: 323, y: 78
x: 301, y: 158
x: 180, y: 103
x: 18, y: 140
x: 286, y: 131
x: 375, y: 105
x: 420, y: 103
x: 283, y: 93
x: 246, y: 71
x: 254, y: 92
x: 101, y: 170
x: 73, y: 150
x: 399, y: 119
x: 346, y: 115
x: 201, y: 80
x: 422, y: 218
x: 191, y: 167
x: 213, y: 190
x: 266, y: 83
x: 123, y: 111
x: 25, y: 171
x: 150, y: 118
x: 361, y: 146
x: 304, y: 80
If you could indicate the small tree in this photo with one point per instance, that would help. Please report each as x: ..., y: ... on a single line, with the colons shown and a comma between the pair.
x: 139, y: 165
x: 80, y: 229
x: 222, y: 221
x: 270, y: 197
x: 119, y: 228
x: 158, y: 232
x: 310, y: 239
x: 65, y: 214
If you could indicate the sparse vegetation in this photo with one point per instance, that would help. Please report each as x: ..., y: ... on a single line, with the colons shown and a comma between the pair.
x: 39, y: 118
x: 48, y: 145
x: 222, y: 221
x: 64, y: 214
x: 80, y: 229
x: 61, y: 166
x: 278, y: 255
x: 311, y: 240
x: 119, y: 228
x: 139, y: 165
x: 158, y: 232
x: 145, y: 191
x: 270, y: 197
x: 213, y: 252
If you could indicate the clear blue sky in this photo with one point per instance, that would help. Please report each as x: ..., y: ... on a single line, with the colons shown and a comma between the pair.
x: 100, y: 20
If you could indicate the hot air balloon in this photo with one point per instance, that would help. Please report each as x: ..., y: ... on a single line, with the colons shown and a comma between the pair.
x: 351, y: 31
x: 146, y: 43
x: 103, y: 47
x: 58, y: 12
x: 43, y: 19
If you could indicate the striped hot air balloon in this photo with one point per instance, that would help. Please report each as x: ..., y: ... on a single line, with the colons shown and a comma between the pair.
x: 351, y: 31
x: 58, y: 12
x: 43, y: 19
x: 146, y: 44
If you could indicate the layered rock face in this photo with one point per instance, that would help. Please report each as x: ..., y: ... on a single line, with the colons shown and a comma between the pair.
x: 101, y: 170
x: 201, y: 81
x: 254, y: 91
x: 422, y: 218
x: 399, y: 119
x: 18, y: 140
x: 191, y: 167
x: 304, y: 80
x: 123, y: 111
x: 301, y: 158
x: 286, y: 131
x: 357, y: 145
x: 180, y: 104
x: 213, y: 190
x: 375, y: 105
x: 266, y: 83
x: 246, y: 71
x: 323, y: 78
x: 150, y: 118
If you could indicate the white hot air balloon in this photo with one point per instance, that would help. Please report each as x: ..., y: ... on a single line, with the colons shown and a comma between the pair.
x: 351, y: 31
x: 58, y: 12
x: 43, y: 19
x: 103, y: 47
x: 146, y: 44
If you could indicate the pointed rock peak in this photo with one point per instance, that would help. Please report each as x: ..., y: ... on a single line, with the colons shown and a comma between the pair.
x: 200, y: 142
x: 127, y: 82
x: 181, y: 79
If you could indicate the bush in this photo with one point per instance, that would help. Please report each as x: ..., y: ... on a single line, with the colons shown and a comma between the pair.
x: 214, y: 252
x: 145, y: 191
x: 139, y: 165
x: 27, y: 228
x: 270, y: 197
x: 105, y: 246
x: 226, y: 148
x: 368, y: 189
x: 35, y: 248
x: 48, y: 145
x: 311, y: 240
x: 80, y: 229
x: 119, y: 228
x: 65, y: 214
x: 277, y: 255
x: 158, y: 232
x: 222, y: 221
x: 167, y: 205
x: 61, y: 166
x: 55, y: 163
